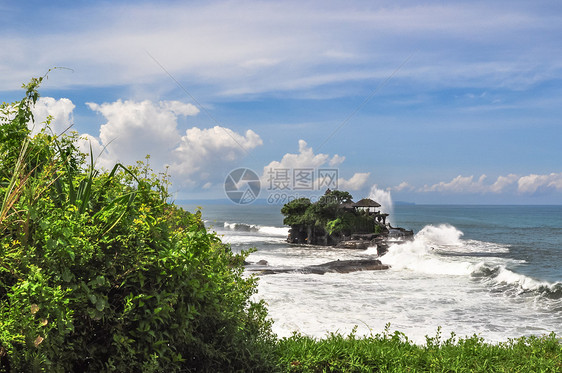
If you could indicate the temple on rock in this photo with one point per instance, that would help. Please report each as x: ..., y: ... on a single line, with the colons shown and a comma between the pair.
x: 335, y: 220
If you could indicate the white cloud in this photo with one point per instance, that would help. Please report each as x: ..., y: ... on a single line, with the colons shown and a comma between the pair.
x: 503, y: 182
x: 336, y: 160
x: 253, y: 46
x: 304, y: 159
x: 307, y: 159
x: 86, y: 142
x: 534, y: 183
x: 460, y: 184
x: 402, y: 186
x: 528, y: 184
x: 135, y: 129
x: 60, y: 110
x: 207, y: 151
x: 356, y: 182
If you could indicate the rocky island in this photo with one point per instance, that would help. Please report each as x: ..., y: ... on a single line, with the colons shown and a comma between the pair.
x: 335, y: 220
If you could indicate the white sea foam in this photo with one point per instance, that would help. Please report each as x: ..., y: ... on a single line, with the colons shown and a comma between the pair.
x: 274, y: 231
x: 500, y: 277
x: 384, y: 198
x: 420, y: 254
x: 442, y: 235
x: 264, y: 230
x: 425, y: 255
x: 506, y: 276
x: 241, y: 227
x: 417, y: 256
x: 437, y: 279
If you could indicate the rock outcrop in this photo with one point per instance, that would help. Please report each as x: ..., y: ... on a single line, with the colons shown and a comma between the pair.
x: 337, y: 266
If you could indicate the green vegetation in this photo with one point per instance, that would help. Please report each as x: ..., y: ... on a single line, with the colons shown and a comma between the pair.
x: 326, y: 214
x: 395, y: 353
x: 99, y: 273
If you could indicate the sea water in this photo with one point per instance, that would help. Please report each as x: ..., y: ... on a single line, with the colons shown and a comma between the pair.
x: 493, y: 271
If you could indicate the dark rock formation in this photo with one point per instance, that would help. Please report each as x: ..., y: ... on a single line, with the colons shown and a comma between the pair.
x: 337, y: 266
x: 346, y: 266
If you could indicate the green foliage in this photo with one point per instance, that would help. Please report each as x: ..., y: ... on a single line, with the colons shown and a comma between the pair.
x: 393, y: 352
x: 339, y: 196
x: 295, y: 211
x: 345, y: 223
x: 327, y: 214
x: 98, y: 273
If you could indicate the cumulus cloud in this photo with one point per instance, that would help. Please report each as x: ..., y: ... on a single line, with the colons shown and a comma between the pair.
x: 460, y: 184
x: 60, y: 110
x: 141, y: 127
x: 503, y: 182
x: 528, y: 184
x: 134, y: 129
x: 306, y: 159
x: 536, y: 183
x: 87, y: 142
x: 402, y: 187
x: 206, y: 151
x: 356, y: 182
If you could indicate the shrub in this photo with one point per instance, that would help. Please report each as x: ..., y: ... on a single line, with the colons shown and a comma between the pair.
x: 98, y: 272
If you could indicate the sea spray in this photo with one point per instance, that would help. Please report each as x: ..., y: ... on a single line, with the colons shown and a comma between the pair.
x: 497, y: 300
x: 384, y: 198
x: 439, y: 250
x: 443, y: 234
x: 421, y: 254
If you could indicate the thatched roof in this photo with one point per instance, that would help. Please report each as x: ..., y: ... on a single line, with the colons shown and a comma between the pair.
x: 366, y: 202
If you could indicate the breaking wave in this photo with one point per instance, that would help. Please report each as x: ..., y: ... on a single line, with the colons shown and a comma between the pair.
x: 440, y: 250
x: 251, y: 228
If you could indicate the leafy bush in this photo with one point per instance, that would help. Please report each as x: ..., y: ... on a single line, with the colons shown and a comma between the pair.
x: 295, y: 210
x: 327, y: 215
x: 99, y: 273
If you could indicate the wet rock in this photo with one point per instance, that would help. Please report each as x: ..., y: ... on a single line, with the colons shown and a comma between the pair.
x: 337, y: 266
x: 347, y: 266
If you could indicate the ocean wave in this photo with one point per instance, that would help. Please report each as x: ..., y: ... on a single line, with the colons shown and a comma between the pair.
x: 274, y: 231
x: 442, y: 235
x: 241, y: 227
x: 504, y: 279
x: 440, y: 250
x: 419, y: 257
x: 423, y: 253
x: 250, y: 228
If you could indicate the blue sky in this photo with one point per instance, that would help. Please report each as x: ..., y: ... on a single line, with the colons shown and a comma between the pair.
x: 431, y: 102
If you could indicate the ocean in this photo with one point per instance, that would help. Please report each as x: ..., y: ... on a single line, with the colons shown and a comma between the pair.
x: 493, y: 271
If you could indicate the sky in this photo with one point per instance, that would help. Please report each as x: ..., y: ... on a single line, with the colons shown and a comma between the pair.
x: 427, y: 101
